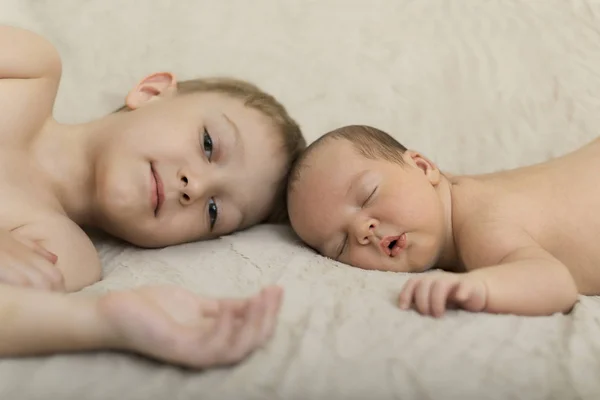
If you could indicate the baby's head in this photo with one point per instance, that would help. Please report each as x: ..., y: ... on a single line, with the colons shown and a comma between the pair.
x: 358, y: 196
x: 192, y: 160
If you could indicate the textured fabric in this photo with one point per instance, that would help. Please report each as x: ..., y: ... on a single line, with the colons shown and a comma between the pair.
x: 476, y: 85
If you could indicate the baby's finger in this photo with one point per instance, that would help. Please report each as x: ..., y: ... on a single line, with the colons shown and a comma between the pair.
x: 439, y: 296
x: 406, y: 295
x: 463, y: 292
x: 422, y: 295
x: 476, y: 299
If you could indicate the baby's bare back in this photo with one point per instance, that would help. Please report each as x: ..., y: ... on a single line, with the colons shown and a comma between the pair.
x: 557, y: 203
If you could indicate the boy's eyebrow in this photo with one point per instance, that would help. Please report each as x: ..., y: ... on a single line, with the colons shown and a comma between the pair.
x: 236, y: 134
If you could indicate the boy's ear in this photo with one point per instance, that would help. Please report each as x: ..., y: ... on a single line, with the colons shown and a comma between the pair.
x: 153, y: 87
x: 428, y: 167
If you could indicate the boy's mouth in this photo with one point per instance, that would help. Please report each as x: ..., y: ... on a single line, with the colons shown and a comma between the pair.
x: 393, y: 245
x: 158, y: 196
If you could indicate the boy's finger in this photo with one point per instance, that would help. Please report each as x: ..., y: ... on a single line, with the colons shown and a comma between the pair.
x: 37, y: 248
x: 42, y: 251
x: 12, y: 276
x: 35, y: 277
x: 51, y: 274
x: 274, y: 300
x: 244, y: 339
x: 213, y: 308
x: 217, y: 340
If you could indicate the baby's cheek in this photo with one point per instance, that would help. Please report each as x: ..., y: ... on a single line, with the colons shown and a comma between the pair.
x: 364, y: 258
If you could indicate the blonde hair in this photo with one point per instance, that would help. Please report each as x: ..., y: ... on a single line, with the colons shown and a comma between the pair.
x: 252, y: 96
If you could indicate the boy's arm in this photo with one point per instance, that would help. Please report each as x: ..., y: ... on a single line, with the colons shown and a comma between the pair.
x: 36, y: 322
x: 26, y: 55
x: 165, y: 322
x: 77, y: 258
x: 529, y: 281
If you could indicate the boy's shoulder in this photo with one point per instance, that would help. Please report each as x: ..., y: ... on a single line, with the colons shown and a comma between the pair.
x: 30, y: 72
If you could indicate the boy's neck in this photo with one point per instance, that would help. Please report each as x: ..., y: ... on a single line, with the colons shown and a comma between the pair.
x: 67, y: 154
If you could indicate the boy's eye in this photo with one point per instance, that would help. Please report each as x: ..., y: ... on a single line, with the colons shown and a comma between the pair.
x: 213, y: 212
x: 207, y: 144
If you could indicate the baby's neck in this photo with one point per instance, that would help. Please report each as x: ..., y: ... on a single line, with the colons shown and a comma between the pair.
x: 448, y: 258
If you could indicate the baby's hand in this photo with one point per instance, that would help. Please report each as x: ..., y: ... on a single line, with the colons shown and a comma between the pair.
x: 174, y: 325
x: 433, y: 292
x: 24, y: 262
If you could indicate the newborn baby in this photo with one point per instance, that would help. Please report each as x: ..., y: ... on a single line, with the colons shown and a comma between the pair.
x: 522, y: 241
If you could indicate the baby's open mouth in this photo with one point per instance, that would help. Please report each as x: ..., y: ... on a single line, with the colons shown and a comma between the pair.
x: 393, y: 245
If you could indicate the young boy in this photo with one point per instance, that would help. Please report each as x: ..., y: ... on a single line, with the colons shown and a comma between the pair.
x: 522, y: 241
x: 179, y: 162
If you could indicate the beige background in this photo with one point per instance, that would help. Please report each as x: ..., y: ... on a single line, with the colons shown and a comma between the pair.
x: 477, y: 85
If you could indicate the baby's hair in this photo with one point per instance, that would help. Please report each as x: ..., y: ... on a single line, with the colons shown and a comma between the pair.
x: 253, y: 97
x: 370, y: 142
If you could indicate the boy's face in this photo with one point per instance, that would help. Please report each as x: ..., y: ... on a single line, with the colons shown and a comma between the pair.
x: 186, y: 168
x: 372, y: 214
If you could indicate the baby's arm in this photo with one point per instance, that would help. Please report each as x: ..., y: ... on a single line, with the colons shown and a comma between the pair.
x: 26, y: 55
x: 525, y: 279
x: 166, y: 323
x: 529, y: 281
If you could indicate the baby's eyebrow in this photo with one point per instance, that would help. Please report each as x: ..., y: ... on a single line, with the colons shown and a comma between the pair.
x: 353, y: 182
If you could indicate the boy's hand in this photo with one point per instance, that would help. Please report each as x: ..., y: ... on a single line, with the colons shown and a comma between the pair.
x: 24, y: 262
x: 174, y: 325
x: 432, y: 292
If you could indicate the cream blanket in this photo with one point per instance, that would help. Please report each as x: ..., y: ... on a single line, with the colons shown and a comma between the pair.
x: 476, y: 85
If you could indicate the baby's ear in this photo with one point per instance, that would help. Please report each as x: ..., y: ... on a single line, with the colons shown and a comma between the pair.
x: 153, y: 87
x: 428, y: 167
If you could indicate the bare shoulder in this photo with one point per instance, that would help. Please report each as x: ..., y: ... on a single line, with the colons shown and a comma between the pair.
x: 487, y: 242
x: 77, y: 257
x: 31, y: 55
x: 488, y: 229
x: 30, y: 71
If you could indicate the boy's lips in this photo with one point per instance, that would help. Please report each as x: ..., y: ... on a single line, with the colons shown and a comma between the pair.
x: 157, y: 193
x: 393, y: 245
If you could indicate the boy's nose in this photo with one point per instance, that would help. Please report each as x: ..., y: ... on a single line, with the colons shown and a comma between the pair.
x: 192, y: 188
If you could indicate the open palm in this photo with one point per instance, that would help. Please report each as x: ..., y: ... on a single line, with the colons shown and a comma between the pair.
x: 174, y: 325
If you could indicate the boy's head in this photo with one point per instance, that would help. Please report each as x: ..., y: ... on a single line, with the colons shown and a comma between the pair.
x: 184, y: 161
x: 358, y: 196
